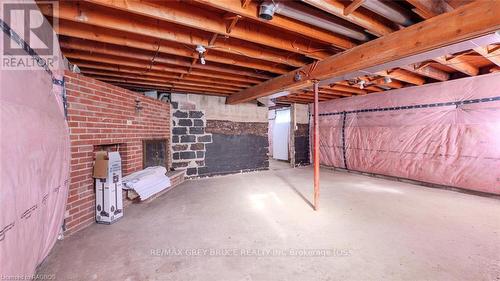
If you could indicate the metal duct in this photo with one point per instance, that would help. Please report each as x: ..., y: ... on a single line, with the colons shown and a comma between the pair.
x: 287, y: 11
x: 385, y: 10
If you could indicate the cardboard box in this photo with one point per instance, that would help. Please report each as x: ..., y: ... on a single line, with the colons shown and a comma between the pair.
x: 109, y: 201
x: 101, y: 165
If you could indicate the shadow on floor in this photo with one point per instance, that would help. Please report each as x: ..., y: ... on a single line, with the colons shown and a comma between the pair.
x: 294, y: 189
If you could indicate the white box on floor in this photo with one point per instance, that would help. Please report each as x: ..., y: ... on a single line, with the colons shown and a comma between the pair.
x: 109, y: 205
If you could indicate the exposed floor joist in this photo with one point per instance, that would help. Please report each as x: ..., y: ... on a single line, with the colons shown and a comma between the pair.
x: 473, y: 20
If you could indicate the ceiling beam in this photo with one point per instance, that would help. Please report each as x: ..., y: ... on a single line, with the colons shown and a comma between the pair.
x: 157, y: 67
x: 428, y: 71
x: 171, y: 66
x: 73, y: 11
x: 348, y: 89
x: 191, y: 16
x: 175, y: 80
x: 119, y: 70
x: 169, y: 89
x: 337, y: 8
x: 140, y: 81
x: 491, y: 53
x: 153, y: 84
x: 111, y: 49
x: 468, y: 22
x: 284, y: 23
x: 100, y: 35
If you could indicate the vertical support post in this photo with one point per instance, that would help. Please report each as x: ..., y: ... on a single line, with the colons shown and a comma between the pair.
x: 291, y: 140
x: 316, y: 146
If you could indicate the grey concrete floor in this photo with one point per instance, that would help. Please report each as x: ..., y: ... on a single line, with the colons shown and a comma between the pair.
x: 371, y: 228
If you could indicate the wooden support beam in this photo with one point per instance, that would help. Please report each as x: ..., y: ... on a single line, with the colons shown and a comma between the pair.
x: 428, y: 71
x: 474, y: 20
x: 71, y: 11
x: 286, y: 24
x: 191, y: 16
x: 491, y: 53
x: 459, y: 63
x: 352, y: 7
x: 336, y: 8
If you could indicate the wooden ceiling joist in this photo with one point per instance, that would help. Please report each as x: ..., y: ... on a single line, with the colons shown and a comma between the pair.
x: 120, y: 70
x: 172, y: 65
x: 72, y: 11
x: 174, y: 80
x: 187, y: 15
x: 161, y: 84
x: 109, y: 49
x: 102, y: 36
x: 180, y: 90
x: 428, y: 71
x: 348, y: 89
x: 284, y: 23
x: 460, y: 64
x: 471, y: 21
x: 157, y: 67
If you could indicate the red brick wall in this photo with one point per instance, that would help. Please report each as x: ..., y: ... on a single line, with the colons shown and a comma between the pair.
x: 97, y: 115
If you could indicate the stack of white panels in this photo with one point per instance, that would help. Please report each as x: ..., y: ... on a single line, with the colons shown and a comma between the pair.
x: 147, y: 182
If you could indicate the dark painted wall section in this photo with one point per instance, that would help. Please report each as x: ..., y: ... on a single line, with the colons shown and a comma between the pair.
x: 302, y: 145
x: 236, y: 147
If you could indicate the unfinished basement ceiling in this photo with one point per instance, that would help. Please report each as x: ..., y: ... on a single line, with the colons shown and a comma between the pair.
x: 152, y: 45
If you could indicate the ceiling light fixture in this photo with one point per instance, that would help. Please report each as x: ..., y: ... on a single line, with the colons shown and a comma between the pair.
x: 201, y: 53
x: 362, y: 84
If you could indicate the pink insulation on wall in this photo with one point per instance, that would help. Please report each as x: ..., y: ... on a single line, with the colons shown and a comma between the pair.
x: 443, y: 133
x: 34, y: 159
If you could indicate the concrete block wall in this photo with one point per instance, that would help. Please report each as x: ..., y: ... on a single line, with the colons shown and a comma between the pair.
x: 188, y: 137
x: 211, y: 138
x: 100, y: 114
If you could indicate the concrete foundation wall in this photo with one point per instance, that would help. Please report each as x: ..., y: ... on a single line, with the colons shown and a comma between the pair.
x: 212, y: 138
